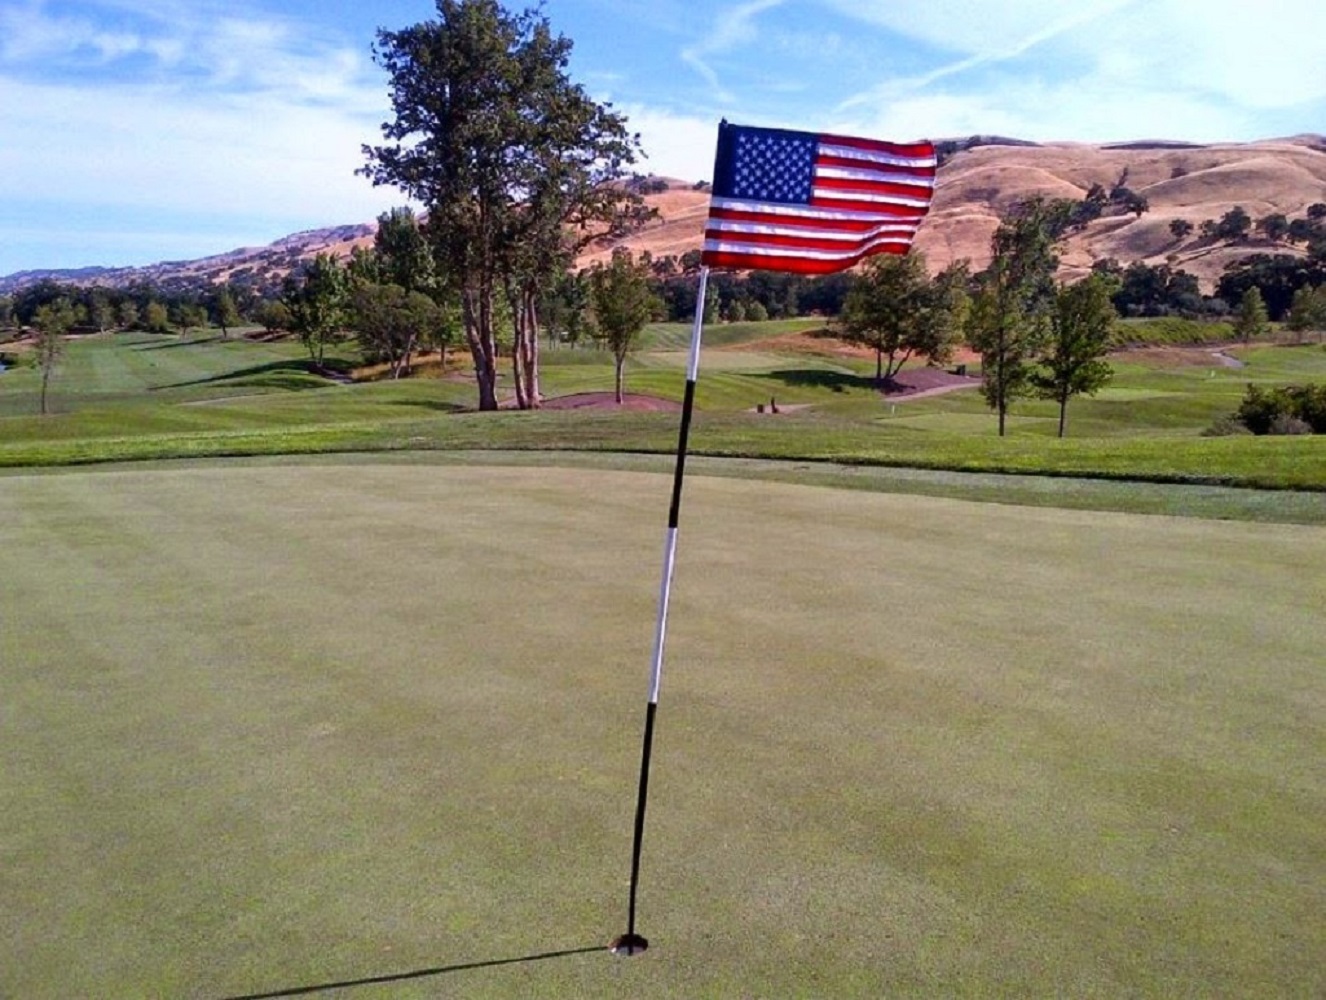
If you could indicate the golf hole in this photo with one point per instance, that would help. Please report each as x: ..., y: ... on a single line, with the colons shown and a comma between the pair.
x: 628, y: 944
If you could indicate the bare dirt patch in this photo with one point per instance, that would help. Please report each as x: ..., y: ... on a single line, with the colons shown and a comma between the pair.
x: 916, y: 383
x: 1178, y: 357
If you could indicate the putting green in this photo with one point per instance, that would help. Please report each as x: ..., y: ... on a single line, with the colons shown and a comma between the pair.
x: 276, y: 726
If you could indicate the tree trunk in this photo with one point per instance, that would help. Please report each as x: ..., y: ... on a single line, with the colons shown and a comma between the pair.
x: 518, y: 371
x: 526, y: 361
x: 478, y: 320
x: 409, y: 352
x: 894, y: 366
x: 485, y: 373
x: 517, y: 344
x: 532, y: 392
x: 45, y: 381
x: 621, y: 361
x: 1063, y: 414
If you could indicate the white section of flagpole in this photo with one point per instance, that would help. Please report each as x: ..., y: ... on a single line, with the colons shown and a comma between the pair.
x: 630, y: 942
x: 664, y: 597
x: 693, y: 367
x: 670, y: 544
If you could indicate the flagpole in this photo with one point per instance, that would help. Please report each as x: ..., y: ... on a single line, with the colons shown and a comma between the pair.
x: 631, y: 942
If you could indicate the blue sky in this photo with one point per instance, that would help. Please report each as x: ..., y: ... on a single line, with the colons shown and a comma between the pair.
x: 134, y: 131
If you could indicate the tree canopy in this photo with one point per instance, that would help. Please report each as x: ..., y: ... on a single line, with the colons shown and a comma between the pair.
x: 52, y: 321
x: 510, y: 158
x: 317, y: 300
x: 1252, y: 320
x: 1074, y: 363
x: 895, y: 308
x: 1009, y: 318
x: 622, y: 305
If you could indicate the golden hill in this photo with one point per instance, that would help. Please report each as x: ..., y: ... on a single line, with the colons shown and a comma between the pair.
x: 976, y: 185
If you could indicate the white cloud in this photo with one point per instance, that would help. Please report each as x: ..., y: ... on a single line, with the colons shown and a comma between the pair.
x: 1046, y: 113
x: 1269, y: 56
x: 152, y: 147
x: 676, y: 145
x: 1182, y: 69
x: 218, y: 115
x: 732, y: 28
x: 976, y: 27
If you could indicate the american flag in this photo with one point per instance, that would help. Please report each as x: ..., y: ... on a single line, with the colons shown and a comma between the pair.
x: 797, y: 201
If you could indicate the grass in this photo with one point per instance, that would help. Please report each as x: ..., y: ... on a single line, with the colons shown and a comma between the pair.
x: 139, y: 396
x: 271, y: 725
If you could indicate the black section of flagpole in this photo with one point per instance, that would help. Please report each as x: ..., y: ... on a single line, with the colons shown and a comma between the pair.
x: 641, y: 799
x: 683, y: 437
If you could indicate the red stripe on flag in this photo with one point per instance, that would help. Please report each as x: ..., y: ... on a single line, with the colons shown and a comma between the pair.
x: 915, y: 150
x: 871, y: 187
x: 881, y: 209
x: 829, y: 160
x: 795, y: 265
x: 854, y: 225
x: 788, y: 241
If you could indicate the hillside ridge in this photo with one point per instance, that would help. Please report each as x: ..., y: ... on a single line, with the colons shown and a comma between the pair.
x: 980, y: 179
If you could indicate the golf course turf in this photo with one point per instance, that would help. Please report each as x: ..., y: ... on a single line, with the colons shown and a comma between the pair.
x: 270, y: 726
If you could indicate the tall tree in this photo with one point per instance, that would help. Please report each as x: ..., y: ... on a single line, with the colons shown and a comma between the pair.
x: 127, y: 314
x: 188, y: 315
x: 391, y: 323
x: 509, y: 157
x: 1009, y: 318
x: 566, y: 309
x: 100, y: 311
x: 1252, y: 320
x: 1074, y: 359
x: 317, y: 301
x: 1308, y: 309
x: 274, y: 315
x: 224, y: 310
x: 404, y: 257
x: 156, y: 318
x: 52, y: 321
x: 622, y: 304
x: 896, y: 309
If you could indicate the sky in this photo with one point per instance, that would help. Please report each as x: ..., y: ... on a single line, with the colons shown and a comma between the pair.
x: 137, y: 131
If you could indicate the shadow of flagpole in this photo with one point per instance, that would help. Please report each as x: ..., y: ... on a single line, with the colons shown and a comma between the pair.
x: 397, y: 977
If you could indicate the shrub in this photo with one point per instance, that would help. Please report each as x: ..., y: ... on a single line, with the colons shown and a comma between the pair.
x: 1285, y: 424
x: 1291, y: 409
x: 1172, y: 330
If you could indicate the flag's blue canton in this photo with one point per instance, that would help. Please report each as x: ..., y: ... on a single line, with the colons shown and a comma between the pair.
x: 773, y: 168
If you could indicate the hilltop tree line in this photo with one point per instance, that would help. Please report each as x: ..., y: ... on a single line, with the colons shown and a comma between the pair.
x: 1141, y: 290
x: 402, y: 265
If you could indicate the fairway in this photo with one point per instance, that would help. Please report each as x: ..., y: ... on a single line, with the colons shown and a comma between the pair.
x: 269, y: 726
